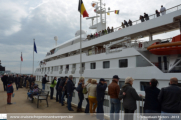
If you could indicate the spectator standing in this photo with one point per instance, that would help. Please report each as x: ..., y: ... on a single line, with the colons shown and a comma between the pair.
x: 70, y: 88
x: 152, y: 104
x: 142, y: 18
x: 130, y: 22
x: 17, y: 79
x: 10, y: 79
x: 123, y: 25
x: 44, y: 81
x: 146, y: 16
x: 58, y: 92
x: 80, y: 93
x: 27, y: 82
x: 86, y: 86
x: 170, y: 97
x: 53, y: 83
x: 9, y: 92
x: 157, y: 13
x: 101, y: 88
x: 63, y: 84
x: 5, y: 81
x: 163, y: 10
x: 92, y: 92
x: 129, y: 96
x: 113, y: 92
x: 126, y: 23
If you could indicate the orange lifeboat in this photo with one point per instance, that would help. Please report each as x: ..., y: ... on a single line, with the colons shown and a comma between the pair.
x: 170, y: 48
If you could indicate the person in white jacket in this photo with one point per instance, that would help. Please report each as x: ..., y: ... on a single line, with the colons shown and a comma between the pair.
x: 88, y: 83
x: 163, y: 10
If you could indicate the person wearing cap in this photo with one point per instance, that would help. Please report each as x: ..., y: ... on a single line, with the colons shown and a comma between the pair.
x: 113, y: 91
x: 129, y: 96
x: 101, y: 87
x: 44, y: 81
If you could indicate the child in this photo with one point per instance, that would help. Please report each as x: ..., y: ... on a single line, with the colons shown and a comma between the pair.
x: 9, y: 92
x: 32, y: 92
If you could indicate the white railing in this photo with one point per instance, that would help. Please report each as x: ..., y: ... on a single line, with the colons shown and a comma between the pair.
x: 73, y: 70
x: 66, y: 71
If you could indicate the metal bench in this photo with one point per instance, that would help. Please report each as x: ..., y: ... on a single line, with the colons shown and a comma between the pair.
x: 42, y: 96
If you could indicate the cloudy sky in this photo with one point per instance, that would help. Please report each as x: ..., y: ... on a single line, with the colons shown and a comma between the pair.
x: 23, y: 20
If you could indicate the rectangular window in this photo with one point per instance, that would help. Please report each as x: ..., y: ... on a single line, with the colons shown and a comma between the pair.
x: 106, y: 64
x: 90, y: 52
x: 107, y: 82
x: 74, y: 66
x: 121, y: 83
x: 123, y: 63
x: 143, y: 85
x: 93, y: 65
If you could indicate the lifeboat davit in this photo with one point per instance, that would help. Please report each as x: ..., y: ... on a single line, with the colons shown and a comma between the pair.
x: 170, y: 48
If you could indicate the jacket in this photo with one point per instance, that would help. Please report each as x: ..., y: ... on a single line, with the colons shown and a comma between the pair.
x: 92, y: 90
x: 101, y: 91
x: 9, y: 88
x: 5, y: 79
x: 113, y: 90
x: 129, y: 100
x: 54, y: 83
x: 70, y: 87
x: 170, y: 97
x: 151, y: 99
x: 44, y: 81
x: 57, y: 86
x: 17, y: 79
x: 80, y: 90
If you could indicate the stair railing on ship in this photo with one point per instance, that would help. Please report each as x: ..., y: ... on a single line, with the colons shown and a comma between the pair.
x: 175, y: 8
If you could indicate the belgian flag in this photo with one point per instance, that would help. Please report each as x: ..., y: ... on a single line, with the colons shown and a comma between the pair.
x: 82, y: 9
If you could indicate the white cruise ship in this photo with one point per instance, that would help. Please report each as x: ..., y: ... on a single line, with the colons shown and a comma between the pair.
x: 119, y: 53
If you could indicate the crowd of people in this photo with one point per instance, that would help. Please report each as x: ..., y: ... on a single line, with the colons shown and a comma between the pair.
x: 164, y: 101
x: 19, y: 80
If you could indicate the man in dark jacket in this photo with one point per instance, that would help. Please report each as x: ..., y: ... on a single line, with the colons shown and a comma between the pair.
x: 170, y: 97
x: 17, y: 80
x: 70, y: 89
x: 101, y: 87
x: 113, y: 91
x: 5, y: 81
x: 57, y: 89
x: 129, y: 96
x: 63, y: 88
x: 44, y: 81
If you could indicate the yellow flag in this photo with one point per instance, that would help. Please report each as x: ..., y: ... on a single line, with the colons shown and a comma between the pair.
x: 108, y: 13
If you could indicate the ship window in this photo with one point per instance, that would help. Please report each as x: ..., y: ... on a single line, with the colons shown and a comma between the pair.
x: 90, y: 52
x: 121, y: 83
x: 123, y: 63
x: 93, y: 65
x: 143, y: 85
x: 141, y: 62
x: 106, y: 64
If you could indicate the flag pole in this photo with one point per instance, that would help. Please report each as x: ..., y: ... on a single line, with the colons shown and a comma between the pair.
x: 80, y: 40
x: 33, y: 54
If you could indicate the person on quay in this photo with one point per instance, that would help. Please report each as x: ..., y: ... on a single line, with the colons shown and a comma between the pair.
x: 80, y: 93
x: 86, y: 86
x: 129, y: 96
x: 142, y: 18
x: 63, y: 85
x: 170, y: 97
x: 152, y: 104
x: 9, y: 92
x: 157, y: 13
x: 5, y: 81
x: 113, y: 92
x: 17, y: 80
x: 44, y: 81
x: 58, y: 92
x: 53, y: 83
x: 92, y: 92
x: 21, y: 81
x: 163, y: 10
x: 130, y: 22
x: 11, y: 79
x: 70, y: 89
x: 25, y: 80
x: 101, y: 88
x: 146, y: 16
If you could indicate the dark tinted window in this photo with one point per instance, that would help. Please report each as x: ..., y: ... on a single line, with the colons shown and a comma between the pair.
x: 123, y: 63
x: 143, y: 85
x: 106, y: 64
x: 93, y: 65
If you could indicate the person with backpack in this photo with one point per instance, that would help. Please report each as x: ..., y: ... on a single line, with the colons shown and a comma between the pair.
x: 9, y: 92
x: 64, y: 91
x: 85, y: 91
x: 53, y: 83
x: 80, y: 93
x: 58, y: 95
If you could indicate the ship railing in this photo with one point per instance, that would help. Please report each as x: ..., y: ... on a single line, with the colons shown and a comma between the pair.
x: 60, y: 72
x: 73, y: 70
x: 66, y: 70
x: 152, y: 16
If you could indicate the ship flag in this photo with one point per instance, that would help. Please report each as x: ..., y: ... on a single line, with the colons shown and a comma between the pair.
x: 21, y: 57
x: 82, y: 10
x: 116, y: 11
x: 35, y: 47
x: 94, y: 5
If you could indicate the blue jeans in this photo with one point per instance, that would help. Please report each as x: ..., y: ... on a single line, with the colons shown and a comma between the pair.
x: 115, y: 108
x: 69, y: 102
x: 170, y: 116
x: 152, y: 113
x: 62, y: 98
x: 87, y: 106
x: 81, y: 98
x: 43, y: 86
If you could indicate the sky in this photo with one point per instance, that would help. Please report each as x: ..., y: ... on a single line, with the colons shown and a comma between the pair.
x: 21, y: 21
